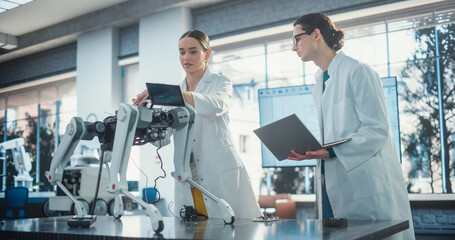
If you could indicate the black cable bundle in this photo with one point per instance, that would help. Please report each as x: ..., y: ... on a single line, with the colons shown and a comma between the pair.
x: 100, y: 171
x: 188, y: 213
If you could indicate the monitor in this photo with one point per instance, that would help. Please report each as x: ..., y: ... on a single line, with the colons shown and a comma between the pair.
x: 277, y: 103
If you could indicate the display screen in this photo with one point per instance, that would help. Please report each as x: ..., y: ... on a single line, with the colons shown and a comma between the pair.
x: 164, y: 94
x: 277, y: 103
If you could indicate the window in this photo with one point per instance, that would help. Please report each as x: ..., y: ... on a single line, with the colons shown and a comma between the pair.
x: 405, y: 48
x: 11, y: 115
x: 49, y: 103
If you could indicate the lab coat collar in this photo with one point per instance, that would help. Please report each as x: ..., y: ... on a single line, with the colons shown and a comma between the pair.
x: 205, y: 78
x: 318, y: 76
x: 332, y: 66
x: 207, y: 75
x: 335, y: 62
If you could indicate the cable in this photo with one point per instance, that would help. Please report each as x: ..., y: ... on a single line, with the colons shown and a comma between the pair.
x: 189, y: 213
x: 146, y: 178
x: 169, y: 208
x: 145, y: 175
x: 100, y: 171
x: 161, y: 161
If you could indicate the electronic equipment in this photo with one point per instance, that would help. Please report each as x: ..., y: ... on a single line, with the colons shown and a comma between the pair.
x: 335, y: 222
x: 21, y: 161
x: 134, y: 125
x: 288, y: 134
x: 79, y: 182
x: 164, y: 94
x: 81, y: 221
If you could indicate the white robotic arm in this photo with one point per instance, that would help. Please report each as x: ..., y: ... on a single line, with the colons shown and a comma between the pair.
x: 133, y: 125
x: 21, y: 160
x: 76, y: 130
x: 131, y: 121
x: 182, y: 150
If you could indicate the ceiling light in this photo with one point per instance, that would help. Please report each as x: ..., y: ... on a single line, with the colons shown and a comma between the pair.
x: 6, y: 5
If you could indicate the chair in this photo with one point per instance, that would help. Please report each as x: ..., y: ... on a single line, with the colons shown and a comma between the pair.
x: 283, y: 204
x: 16, y: 199
x: 148, y: 195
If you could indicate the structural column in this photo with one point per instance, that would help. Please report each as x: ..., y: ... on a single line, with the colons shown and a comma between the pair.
x: 159, y: 63
x: 99, y: 90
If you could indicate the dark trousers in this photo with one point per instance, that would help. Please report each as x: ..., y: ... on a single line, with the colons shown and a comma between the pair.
x: 326, y: 207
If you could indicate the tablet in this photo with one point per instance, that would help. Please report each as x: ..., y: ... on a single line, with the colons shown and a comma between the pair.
x: 165, y: 94
x: 288, y: 133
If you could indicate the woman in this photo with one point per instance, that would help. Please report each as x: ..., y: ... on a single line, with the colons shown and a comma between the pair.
x: 362, y: 178
x: 216, y: 164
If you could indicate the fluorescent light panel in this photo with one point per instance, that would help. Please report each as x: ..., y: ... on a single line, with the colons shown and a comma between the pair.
x: 6, y: 5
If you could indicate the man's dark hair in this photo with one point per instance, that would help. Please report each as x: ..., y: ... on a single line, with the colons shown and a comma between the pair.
x: 332, y: 36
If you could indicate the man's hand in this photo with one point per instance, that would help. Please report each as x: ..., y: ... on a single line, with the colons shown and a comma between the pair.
x: 140, y: 98
x: 318, y: 154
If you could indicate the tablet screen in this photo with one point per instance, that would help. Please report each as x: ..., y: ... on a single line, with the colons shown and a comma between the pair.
x: 164, y: 94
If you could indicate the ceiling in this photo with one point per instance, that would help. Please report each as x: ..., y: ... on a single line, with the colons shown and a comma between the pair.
x: 38, y: 25
x: 38, y: 14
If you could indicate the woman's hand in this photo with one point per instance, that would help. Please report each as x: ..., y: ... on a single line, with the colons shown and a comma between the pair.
x: 318, y: 154
x: 188, y: 97
x: 140, y: 98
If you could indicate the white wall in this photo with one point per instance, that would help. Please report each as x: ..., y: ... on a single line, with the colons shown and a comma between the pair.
x: 158, y: 45
x: 98, y: 74
x: 159, y: 62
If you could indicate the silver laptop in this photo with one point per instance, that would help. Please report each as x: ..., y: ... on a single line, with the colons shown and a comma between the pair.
x: 288, y: 133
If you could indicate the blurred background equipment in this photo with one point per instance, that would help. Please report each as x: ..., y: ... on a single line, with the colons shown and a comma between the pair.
x: 80, y: 181
x: 16, y: 199
x: 21, y: 163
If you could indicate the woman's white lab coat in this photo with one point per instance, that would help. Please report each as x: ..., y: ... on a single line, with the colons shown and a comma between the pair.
x: 365, y: 180
x: 218, y: 165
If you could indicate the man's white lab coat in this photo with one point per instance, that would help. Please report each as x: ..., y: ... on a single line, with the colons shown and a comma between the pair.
x: 365, y: 180
x: 218, y: 165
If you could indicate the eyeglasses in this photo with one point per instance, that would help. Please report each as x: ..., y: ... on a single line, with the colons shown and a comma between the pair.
x: 295, y: 39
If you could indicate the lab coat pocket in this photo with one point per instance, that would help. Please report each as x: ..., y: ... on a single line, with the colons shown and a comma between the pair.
x: 340, y: 117
x: 226, y: 156
x: 368, y: 179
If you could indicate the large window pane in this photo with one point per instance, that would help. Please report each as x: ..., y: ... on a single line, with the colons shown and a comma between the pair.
x: 244, y: 66
x: 369, y: 49
x: 284, y: 68
x: 68, y: 110
x: 447, y: 63
x: 402, y: 46
x: 246, y: 69
x: 57, y: 103
x: 419, y: 115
